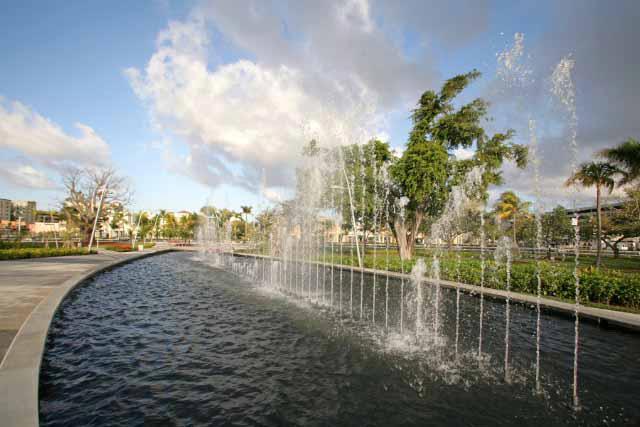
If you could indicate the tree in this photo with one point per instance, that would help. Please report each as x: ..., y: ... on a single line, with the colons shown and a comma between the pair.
x: 601, y: 175
x: 426, y: 172
x: 363, y: 191
x: 117, y: 218
x: 556, y: 228
x: 626, y: 157
x: 246, y: 210
x: 187, y: 226
x: 624, y: 222
x: 170, y: 226
x: 85, y: 188
x: 266, y: 221
x: 159, y: 218
x: 145, y: 227
x: 509, y: 207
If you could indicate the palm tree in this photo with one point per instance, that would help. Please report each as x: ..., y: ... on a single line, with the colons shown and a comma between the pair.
x: 625, y: 156
x: 510, y: 207
x: 246, y: 210
x: 159, y: 219
x: 598, y: 174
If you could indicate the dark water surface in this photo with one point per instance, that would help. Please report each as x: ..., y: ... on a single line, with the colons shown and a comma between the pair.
x: 169, y: 340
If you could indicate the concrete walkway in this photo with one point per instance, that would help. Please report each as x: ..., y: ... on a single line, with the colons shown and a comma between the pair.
x: 30, y: 292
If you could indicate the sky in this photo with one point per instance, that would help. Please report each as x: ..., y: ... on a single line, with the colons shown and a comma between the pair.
x: 210, y: 102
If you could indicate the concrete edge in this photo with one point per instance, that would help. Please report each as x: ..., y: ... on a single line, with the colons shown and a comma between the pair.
x: 601, y: 316
x: 20, y: 368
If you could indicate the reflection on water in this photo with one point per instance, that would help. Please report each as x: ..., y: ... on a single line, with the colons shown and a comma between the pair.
x: 170, y: 340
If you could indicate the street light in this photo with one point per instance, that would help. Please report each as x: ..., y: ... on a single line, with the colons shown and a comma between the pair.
x: 95, y: 222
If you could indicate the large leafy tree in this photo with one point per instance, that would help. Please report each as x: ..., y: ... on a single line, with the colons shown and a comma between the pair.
x: 364, y: 194
x: 556, y: 228
x: 626, y: 157
x: 509, y: 207
x: 426, y: 171
x: 85, y: 189
x: 622, y: 223
x: 600, y: 175
x: 350, y: 180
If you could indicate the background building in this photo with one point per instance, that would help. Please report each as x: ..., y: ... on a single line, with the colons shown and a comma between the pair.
x: 25, y: 209
x: 5, y: 209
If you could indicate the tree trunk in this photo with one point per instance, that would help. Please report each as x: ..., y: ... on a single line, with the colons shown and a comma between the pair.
x: 364, y: 245
x: 405, y: 232
x: 599, y: 234
x: 515, y: 239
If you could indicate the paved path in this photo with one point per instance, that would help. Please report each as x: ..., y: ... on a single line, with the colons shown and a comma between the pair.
x: 25, y: 283
x: 30, y: 292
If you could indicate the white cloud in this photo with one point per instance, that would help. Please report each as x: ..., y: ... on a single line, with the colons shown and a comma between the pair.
x: 27, y: 133
x: 25, y: 176
x: 462, y: 153
x: 34, y: 149
x: 244, y: 117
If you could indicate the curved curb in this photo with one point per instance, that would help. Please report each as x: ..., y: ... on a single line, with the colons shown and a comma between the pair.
x: 620, y: 319
x: 20, y: 368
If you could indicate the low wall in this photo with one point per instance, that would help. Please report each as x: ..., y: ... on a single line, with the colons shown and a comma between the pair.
x: 619, y: 319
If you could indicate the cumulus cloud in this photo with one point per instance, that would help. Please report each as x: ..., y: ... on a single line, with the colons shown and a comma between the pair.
x: 246, y: 87
x: 324, y: 70
x: 24, y: 175
x: 34, y: 142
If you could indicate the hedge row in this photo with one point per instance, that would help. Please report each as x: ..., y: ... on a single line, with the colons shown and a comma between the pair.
x: 6, y: 254
x: 604, y: 286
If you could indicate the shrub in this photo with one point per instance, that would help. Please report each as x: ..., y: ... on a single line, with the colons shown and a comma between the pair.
x: 603, y: 286
x: 7, y: 254
x: 124, y: 246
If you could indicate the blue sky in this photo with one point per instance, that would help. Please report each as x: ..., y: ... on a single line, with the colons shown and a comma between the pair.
x: 68, y: 61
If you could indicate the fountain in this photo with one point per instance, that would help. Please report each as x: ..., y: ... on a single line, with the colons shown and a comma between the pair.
x: 452, y: 332
x: 503, y: 255
x: 564, y: 89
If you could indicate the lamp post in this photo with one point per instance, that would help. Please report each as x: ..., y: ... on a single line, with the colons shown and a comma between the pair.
x: 19, y: 229
x: 95, y: 222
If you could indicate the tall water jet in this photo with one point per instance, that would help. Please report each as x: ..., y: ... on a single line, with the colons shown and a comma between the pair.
x: 324, y: 262
x: 435, y: 274
x: 447, y: 227
x: 354, y: 241
x: 400, y: 204
x: 503, y: 256
x: 318, y: 232
x: 563, y: 88
x: 333, y: 225
x: 362, y: 221
x: 417, y: 277
x: 535, y: 158
x: 482, y: 278
x: 339, y: 228
x: 458, y: 279
x: 374, y: 168
x: 385, y: 178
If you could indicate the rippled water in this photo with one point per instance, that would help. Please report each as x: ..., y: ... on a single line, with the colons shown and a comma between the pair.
x: 169, y: 340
